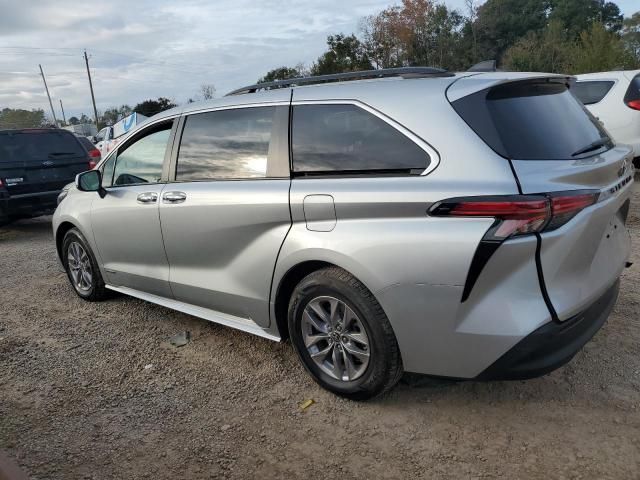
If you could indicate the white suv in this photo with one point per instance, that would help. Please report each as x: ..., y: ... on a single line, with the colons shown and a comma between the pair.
x: 614, y: 98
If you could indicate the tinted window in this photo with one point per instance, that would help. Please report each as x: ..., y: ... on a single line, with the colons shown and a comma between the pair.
x: 532, y: 121
x: 591, y: 92
x: 343, y: 138
x: 107, y: 171
x: 633, y: 92
x: 141, y: 161
x: 225, y: 144
x: 39, y: 146
x: 86, y: 143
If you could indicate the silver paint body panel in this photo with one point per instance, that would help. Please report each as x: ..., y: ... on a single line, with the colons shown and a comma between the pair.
x: 223, y: 252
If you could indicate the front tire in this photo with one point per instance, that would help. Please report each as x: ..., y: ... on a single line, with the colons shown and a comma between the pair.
x: 342, y: 335
x: 82, y: 268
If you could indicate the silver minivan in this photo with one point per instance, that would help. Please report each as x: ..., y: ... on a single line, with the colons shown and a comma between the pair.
x: 461, y: 225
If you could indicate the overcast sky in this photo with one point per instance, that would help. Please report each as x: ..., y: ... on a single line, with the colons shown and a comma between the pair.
x: 143, y: 49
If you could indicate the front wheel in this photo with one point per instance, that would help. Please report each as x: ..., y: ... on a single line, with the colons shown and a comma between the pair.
x: 343, y: 336
x: 82, y: 268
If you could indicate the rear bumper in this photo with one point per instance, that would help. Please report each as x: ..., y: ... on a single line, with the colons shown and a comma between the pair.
x: 554, y: 344
x: 30, y: 204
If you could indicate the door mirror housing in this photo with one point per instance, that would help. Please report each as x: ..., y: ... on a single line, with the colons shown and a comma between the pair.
x: 90, y: 181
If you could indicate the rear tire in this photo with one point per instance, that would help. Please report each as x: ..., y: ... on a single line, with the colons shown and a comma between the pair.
x: 81, y: 267
x: 342, y: 335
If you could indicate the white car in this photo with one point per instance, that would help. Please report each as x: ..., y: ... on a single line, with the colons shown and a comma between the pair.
x: 614, y: 98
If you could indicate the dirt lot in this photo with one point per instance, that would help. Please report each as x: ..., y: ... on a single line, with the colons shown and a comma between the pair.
x: 96, y: 391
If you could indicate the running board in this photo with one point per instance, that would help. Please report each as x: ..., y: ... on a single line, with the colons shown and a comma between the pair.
x: 238, y: 323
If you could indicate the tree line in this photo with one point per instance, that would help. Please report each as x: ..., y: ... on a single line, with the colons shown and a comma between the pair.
x: 558, y: 36
x: 20, y: 118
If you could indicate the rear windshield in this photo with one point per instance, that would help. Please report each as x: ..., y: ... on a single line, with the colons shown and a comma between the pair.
x: 592, y: 91
x: 38, y: 146
x: 533, y: 121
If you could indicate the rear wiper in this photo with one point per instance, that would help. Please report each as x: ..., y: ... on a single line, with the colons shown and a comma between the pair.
x: 601, y: 142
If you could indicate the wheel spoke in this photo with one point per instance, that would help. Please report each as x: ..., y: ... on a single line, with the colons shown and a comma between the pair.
x: 337, y: 367
x: 320, y: 355
x: 335, y: 314
x: 310, y: 340
x: 314, y: 322
x: 319, y: 311
x: 357, y: 337
x: 357, y: 352
x: 349, y: 368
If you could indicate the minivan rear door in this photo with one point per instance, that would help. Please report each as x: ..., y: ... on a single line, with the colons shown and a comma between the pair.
x: 35, y: 161
x: 554, y: 145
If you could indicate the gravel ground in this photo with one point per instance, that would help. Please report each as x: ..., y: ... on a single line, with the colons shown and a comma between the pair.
x: 96, y: 391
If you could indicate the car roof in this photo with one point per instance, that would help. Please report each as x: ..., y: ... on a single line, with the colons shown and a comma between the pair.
x: 614, y: 74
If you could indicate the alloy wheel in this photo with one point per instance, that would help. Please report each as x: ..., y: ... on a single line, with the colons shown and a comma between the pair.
x: 79, y: 267
x: 335, y: 338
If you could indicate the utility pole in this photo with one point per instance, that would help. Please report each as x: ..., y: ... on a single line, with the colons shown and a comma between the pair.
x: 53, y: 112
x: 93, y: 98
x: 64, y: 119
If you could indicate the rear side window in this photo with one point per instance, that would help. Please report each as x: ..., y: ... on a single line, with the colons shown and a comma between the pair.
x: 37, y: 147
x: 346, y: 138
x: 590, y: 92
x: 225, y: 144
x: 533, y: 121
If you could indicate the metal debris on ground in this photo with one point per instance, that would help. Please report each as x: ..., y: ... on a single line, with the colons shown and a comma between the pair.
x: 306, y: 404
x: 180, y: 339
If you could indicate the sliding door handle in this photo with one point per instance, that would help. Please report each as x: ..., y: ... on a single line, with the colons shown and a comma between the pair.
x: 148, y: 197
x: 174, y: 197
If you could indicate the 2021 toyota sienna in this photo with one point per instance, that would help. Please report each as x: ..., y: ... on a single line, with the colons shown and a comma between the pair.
x: 461, y: 225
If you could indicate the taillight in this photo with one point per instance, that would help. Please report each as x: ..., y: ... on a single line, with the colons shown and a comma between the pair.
x: 94, y: 153
x: 92, y: 164
x: 565, y: 206
x: 514, y: 215
x: 518, y: 214
x: 635, y: 104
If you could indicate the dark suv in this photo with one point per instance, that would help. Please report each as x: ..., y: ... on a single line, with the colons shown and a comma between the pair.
x: 34, y: 166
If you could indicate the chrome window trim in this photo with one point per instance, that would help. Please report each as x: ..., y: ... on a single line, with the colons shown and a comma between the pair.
x: 434, y: 156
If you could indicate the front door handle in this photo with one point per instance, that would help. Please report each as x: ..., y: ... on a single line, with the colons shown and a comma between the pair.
x: 148, y: 197
x: 174, y: 197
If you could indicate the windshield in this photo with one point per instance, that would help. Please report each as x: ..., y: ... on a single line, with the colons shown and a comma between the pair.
x: 38, y: 146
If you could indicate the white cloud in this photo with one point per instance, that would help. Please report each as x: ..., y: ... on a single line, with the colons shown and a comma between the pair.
x: 144, y: 48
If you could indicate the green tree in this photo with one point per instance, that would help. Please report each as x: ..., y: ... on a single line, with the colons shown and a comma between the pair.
x: 501, y: 23
x: 150, y: 107
x: 418, y: 32
x: 74, y: 121
x: 549, y: 50
x: 283, y: 73
x: 19, y: 118
x: 631, y: 36
x: 600, y: 50
x: 345, y: 54
x: 578, y: 15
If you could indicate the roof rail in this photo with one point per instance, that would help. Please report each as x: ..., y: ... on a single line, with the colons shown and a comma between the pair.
x: 404, y: 72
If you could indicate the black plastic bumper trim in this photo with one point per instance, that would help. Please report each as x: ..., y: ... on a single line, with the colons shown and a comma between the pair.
x: 554, y: 344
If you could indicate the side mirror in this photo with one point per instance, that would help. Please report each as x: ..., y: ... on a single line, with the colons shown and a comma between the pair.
x: 90, y: 181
